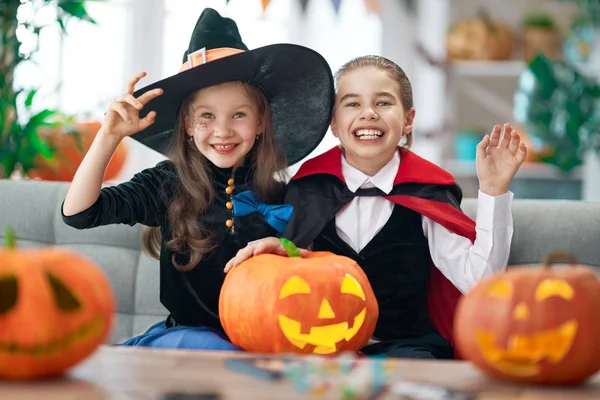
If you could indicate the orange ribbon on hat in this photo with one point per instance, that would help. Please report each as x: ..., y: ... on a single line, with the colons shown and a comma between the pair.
x: 204, y: 56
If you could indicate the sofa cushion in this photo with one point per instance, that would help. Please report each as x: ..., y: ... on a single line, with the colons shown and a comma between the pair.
x: 543, y: 226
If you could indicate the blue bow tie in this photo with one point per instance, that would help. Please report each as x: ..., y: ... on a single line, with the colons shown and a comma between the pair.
x: 277, y: 216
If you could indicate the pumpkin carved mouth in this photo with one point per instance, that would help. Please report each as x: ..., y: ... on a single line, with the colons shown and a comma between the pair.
x: 92, y: 329
x: 525, y: 352
x: 325, y: 337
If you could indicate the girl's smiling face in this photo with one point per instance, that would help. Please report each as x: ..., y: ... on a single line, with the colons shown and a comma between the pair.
x: 369, y: 118
x: 224, y: 123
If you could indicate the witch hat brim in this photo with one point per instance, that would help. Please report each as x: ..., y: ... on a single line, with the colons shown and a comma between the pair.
x: 296, y: 80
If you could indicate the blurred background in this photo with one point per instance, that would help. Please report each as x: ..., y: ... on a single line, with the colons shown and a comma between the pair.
x: 472, y: 63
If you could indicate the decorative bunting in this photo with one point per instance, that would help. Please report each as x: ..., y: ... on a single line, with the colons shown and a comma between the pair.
x: 303, y: 5
x: 336, y: 5
x: 373, y: 6
x: 265, y: 4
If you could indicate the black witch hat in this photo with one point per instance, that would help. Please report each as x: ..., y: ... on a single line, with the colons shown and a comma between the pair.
x: 296, y: 80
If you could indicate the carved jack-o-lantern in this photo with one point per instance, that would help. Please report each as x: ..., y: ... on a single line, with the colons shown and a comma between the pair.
x: 321, y: 303
x: 533, y: 325
x: 56, y: 307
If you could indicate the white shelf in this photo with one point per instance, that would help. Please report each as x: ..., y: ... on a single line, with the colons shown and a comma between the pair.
x: 466, y: 169
x: 499, y: 69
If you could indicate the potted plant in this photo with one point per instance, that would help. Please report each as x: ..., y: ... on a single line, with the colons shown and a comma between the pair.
x: 21, y: 138
x: 541, y: 35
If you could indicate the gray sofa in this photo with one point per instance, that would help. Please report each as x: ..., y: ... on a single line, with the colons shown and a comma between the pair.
x: 32, y: 209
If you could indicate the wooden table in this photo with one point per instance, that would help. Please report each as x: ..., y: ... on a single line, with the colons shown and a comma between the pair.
x: 123, y: 373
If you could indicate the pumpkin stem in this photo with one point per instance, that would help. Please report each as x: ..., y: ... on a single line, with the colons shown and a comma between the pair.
x: 290, y: 247
x: 487, y: 20
x: 11, y: 241
x: 559, y: 256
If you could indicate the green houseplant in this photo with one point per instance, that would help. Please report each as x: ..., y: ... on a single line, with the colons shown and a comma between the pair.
x: 559, y: 103
x: 20, y: 141
x: 588, y: 10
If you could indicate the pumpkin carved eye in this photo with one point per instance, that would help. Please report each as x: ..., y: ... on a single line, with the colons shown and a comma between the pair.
x: 64, y: 298
x: 294, y: 285
x: 8, y: 293
x: 500, y: 289
x: 553, y: 287
x: 351, y: 286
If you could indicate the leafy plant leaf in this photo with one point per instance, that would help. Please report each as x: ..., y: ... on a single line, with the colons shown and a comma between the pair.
x: 75, y: 9
x: 21, y: 142
x: 40, y: 146
x: 29, y: 99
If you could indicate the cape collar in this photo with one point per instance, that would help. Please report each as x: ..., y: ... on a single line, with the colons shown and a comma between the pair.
x: 413, y: 168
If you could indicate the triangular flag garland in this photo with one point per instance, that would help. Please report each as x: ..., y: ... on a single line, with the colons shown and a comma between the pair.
x: 265, y: 4
x: 336, y: 5
x: 303, y: 5
x: 372, y: 6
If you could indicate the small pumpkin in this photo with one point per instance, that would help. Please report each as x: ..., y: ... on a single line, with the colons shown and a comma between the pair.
x: 537, y: 325
x: 479, y: 39
x: 321, y: 303
x: 537, y: 150
x: 69, y: 155
x: 56, y: 308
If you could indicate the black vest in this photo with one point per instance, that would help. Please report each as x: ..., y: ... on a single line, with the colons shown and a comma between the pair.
x: 396, y: 261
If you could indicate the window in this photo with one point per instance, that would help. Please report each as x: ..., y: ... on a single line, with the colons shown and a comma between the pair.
x: 79, y: 73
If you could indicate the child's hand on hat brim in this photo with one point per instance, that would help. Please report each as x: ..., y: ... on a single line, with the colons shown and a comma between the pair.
x: 123, y: 116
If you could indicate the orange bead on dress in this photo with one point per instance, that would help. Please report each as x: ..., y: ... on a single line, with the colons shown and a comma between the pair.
x: 229, y: 223
x: 230, y: 181
x: 229, y: 205
x: 229, y: 190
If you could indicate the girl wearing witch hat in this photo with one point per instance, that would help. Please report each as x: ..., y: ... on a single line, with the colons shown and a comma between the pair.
x: 229, y: 121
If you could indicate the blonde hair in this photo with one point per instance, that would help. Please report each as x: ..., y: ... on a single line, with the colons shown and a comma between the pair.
x: 194, y: 191
x: 394, y: 71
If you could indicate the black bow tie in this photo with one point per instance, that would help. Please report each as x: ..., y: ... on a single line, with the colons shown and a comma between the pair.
x: 374, y: 191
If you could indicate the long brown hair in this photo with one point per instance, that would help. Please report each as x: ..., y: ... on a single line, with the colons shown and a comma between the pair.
x: 394, y: 71
x: 194, y: 191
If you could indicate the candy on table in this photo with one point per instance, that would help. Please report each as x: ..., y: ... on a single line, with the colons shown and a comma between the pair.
x: 428, y: 391
x: 347, y: 376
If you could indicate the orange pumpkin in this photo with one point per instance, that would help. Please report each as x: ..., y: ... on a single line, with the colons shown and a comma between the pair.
x: 321, y: 304
x: 56, y: 308
x: 536, y: 151
x: 479, y: 39
x: 533, y: 325
x: 69, y: 155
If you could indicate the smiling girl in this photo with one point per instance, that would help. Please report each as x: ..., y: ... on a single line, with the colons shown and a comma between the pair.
x: 229, y: 121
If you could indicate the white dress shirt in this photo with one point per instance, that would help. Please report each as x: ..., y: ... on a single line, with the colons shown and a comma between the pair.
x: 462, y: 262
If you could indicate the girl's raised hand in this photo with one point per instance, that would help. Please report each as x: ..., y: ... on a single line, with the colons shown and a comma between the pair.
x: 123, y: 115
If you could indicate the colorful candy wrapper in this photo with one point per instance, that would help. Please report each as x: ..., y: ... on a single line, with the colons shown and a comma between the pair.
x: 346, y: 377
